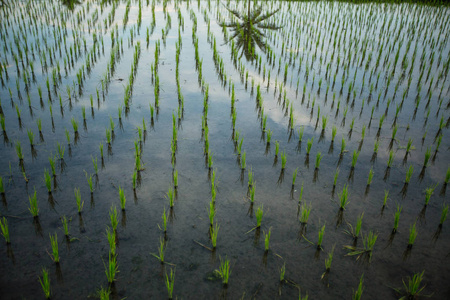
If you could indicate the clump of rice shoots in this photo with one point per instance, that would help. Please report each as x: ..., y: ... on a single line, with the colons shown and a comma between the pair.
x: 34, y: 209
x: 45, y: 283
x: 122, y: 198
x: 267, y: 240
x: 412, y: 235
x: 5, y: 229
x: 428, y: 192
x: 359, y: 291
x: 343, y: 198
x: 224, y: 271
x: 80, y: 203
x: 444, y: 214
x: 170, y: 282
x: 54, y: 244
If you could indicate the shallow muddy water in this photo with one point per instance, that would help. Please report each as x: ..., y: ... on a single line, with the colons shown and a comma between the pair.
x: 353, y: 64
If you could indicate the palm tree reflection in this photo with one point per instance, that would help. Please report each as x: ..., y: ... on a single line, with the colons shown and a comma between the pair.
x: 248, y: 30
x: 70, y: 4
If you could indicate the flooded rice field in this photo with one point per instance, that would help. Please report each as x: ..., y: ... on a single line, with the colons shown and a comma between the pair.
x: 224, y: 149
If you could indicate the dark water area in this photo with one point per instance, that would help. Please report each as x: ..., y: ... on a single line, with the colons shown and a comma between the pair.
x: 351, y: 64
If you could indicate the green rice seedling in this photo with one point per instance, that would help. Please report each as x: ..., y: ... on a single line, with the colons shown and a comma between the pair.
x: 111, y: 236
x: 277, y: 148
x: 250, y: 177
x: 309, y: 145
x: 122, y: 198
x: 427, y: 157
x: 282, y: 272
x: 252, y: 194
x: 30, y: 137
x: 444, y: 214
x: 367, y: 248
x: 80, y: 203
x: 112, y: 125
x: 412, y: 235
x: 90, y: 182
x: 294, y: 176
x: 103, y: 294
x: 320, y: 239
x: 300, y: 196
x: 3, y: 123
x: 2, y: 188
x: 45, y: 283
x: 74, y: 125
x: 34, y: 209
x: 376, y: 146
x: 5, y: 229
x: 300, y: 133
x: 369, y: 179
x: 409, y: 174
x: 324, y: 122
x: 243, y: 163
x: 95, y: 164
x: 19, y: 150
x: 304, y: 213
x: 224, y: 271
x: 363, y: 132
x: 175, y: 179
x: 394, y: 132
x: 65, y: 225
x: 336, y: 174
x: 413, y: 289
x: 48, y: 181
x: 390, y: 159
x: 170, y: 196
x: 355, y: 158
x: 61, y: 150
x: 67, y: 136
x: 283, y: 160
x: 113, y: 217
x: 101, y: 150
x: 214, y: 231
x: 409, y: 146
x: 112, y: 268
x: 269, y: 136
x: 333, y: 133
x: 18, y: 112
x: 170, y: 282
x: 213, y: 193
x: 165, y: 217
x: 358, y: 224
x: 161, y: 250
x: 428, y: 192
x: 447, y: 176
x: 83, y: 112
x: 358, y: 293
x: 108, y: 136
x: 267, y: 240
x: 55, y: 252
x: 211, y: 213
x: 343, y: 198
x: 397, y: 218
x: 134, y: 180
x: 210, y: 160
x: 342, y: 146
x: 386, y: 195
x: 318, y: 159
x: 52, y: 161
x: 259, y: 215
x: 328, y: 261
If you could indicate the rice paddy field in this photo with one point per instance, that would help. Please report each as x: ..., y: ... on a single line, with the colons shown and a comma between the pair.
x: 224, y: 149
